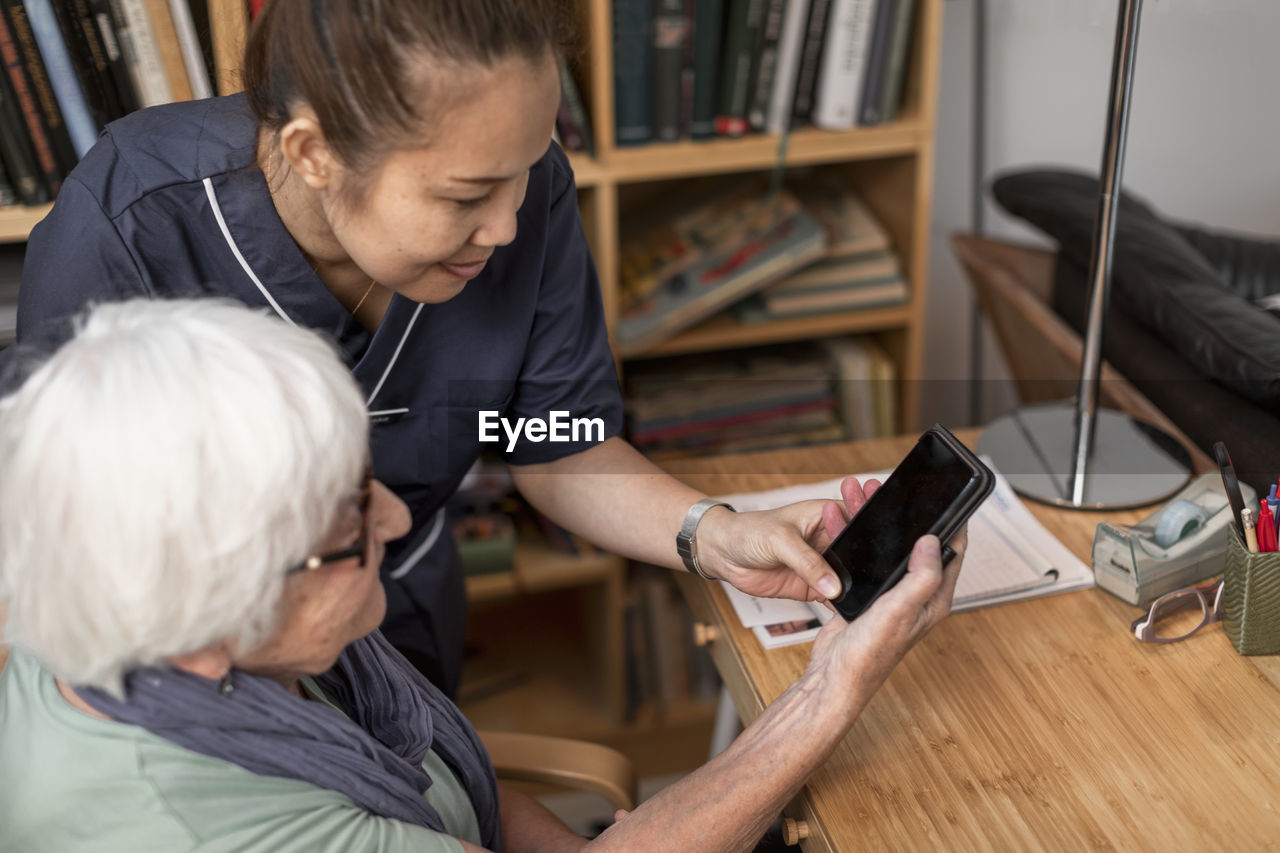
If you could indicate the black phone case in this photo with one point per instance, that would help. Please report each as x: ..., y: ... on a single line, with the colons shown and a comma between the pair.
x: 948, y: 522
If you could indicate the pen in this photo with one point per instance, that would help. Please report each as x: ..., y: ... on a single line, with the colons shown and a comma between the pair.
x: 1266, y: 529
x: 1273, y: 503
x: 1250, y: 534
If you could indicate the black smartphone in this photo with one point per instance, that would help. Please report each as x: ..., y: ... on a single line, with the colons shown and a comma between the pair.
x: 933, y: 490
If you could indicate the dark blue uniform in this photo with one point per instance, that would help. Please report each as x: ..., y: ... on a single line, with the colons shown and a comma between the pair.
x: 170, y: 203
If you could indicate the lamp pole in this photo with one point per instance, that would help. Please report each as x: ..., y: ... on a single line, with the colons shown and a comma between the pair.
x: 1104, y: 233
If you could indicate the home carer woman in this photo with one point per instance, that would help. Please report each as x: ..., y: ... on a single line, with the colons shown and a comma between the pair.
x: 389, y: 179
x: 193, y: 601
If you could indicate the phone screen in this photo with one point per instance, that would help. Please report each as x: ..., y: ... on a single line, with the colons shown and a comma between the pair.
x: 878, y: 540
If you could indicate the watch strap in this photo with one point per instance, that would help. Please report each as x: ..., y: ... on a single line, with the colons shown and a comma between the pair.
x: 687, y: 538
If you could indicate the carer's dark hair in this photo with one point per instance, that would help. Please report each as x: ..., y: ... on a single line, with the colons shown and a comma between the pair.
x: 357, y: 62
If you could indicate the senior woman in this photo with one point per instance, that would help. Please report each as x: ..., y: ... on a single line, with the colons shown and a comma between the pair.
x: 189, y: 541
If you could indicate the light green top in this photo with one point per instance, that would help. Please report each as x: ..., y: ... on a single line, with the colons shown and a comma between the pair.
x: 70, y: 783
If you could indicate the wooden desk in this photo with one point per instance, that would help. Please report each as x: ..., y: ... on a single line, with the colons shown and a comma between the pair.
x: 1035, y: 725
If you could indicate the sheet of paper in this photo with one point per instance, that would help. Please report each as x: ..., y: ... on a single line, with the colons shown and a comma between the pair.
x: 1011, y: 557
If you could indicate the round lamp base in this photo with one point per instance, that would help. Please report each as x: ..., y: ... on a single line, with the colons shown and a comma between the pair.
x: 1131, y: 463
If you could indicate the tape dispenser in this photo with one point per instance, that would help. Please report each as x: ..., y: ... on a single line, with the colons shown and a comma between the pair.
x: 1180, y: 544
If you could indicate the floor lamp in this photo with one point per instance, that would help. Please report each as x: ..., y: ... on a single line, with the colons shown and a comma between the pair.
x: 1073, y: 453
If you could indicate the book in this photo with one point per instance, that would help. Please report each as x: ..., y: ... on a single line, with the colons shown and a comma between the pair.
x: 168, y: 47
x: 843, y: 64
x: 855, y: 296
x: 105, y: 27
x: 884, y: 375
x: 8, y: 195
x: 17, y: 47
x: 737, y: 58
x: 184, y: 26
x: 15, y: 148
x: 766, y: 63
x: 631, y: 41
x: 10, y: 271
x: 81, y: 127
x: 666, y: 63
x: 708, y: 256
x: 810, y: 60
x: 838, y: 273
x: 89, y: 56
x: 707, y: 28
x: 870, y: 109
x: 896, y: 72
x: 790, y: 46
x: 854, y: 386
x: 141, y: 53
x: 852, y: 229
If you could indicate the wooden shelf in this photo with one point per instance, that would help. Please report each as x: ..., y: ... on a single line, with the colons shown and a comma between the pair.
x: 16, y: 222
x: 724, y: 331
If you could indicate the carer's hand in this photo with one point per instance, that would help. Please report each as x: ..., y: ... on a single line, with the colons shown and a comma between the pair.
x: 778, y: 553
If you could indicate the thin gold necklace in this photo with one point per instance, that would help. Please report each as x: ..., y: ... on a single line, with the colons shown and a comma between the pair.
x: 372, y: 282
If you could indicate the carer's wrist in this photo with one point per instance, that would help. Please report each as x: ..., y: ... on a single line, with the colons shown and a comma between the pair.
x: 696, y: 542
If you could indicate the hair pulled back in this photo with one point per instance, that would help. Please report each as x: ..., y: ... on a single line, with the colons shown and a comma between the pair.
x: 359, y: 63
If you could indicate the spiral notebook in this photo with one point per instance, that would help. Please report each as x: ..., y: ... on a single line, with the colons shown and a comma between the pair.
x: 1011, y: 557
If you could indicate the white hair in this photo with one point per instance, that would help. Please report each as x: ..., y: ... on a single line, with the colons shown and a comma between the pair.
x: 160, y: 473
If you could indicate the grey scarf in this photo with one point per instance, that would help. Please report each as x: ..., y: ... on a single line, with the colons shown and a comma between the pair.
x: 374, y: 757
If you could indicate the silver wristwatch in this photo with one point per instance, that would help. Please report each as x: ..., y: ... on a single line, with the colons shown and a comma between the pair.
x: 687, y: 539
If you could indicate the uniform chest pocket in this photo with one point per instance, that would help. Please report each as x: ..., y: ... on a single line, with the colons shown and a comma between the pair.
x: 456, y: 429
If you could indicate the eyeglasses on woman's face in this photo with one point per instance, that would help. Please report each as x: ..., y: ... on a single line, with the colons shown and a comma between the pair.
x: 357, y: 549
x: 1166, y: 620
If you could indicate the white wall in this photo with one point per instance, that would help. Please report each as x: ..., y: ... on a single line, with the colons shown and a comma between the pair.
x: 1203, y: 145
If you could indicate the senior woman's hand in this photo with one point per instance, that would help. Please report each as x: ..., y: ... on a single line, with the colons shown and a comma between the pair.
x: 778, y: 553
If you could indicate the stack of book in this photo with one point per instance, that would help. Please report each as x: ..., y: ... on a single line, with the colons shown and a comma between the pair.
x: 707, y: 68
x: 734, y: 402
x: 699, y: 252
x: 817, y: 250
x: 10, y: 272
x: 859, y: 269
x: 71, y: 66
x: 664, y: 667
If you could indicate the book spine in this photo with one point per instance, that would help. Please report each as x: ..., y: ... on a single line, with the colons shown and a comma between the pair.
x: 80, y: 125
x: 790, y: 44
x: 687, y: 69
x: 707, y: 31
x: 631, y: 19
x: 870, y: 110
x: 896, y: 72
x: 666, y: 62
x: 94, y: 63
x: 8, y: 196
x: 843, y: 64
x: 165, y: 37
x: 192, y: 52
x: 27, y: 98
x: 810, y: 60
x: 15, y: 145
x: 138, y: 43
x: 227, y: 32
x: 736, y: 62
x: 104, y: 26
x: 766, y: 63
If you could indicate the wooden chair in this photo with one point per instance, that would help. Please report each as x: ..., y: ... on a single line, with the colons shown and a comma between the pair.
x: 1013, y: 285
x: 553, y: 761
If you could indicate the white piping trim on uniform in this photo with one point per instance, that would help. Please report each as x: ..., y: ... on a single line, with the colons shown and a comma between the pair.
x: 235, y: 250
x: 387, y: 371
x: 421, y: 551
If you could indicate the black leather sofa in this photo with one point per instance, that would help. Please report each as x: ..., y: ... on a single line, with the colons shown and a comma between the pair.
x: 1194, y: 321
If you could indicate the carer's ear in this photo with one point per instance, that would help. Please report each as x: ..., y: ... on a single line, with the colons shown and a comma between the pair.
x: 303, y: 145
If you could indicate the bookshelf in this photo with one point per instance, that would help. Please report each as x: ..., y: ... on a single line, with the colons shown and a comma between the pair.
x: 891, y: 166
x: 550, y: 634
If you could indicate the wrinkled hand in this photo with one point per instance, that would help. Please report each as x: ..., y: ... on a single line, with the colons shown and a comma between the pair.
x: 863, y: 652
x: 778, y: 553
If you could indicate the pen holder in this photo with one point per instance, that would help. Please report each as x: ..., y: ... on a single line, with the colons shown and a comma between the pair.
x: 1251, y: 598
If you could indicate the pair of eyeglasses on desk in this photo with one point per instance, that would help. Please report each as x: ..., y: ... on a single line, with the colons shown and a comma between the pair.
x: 1170, y: 618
